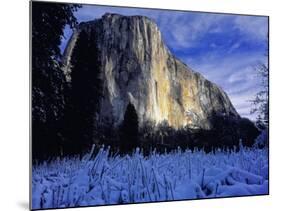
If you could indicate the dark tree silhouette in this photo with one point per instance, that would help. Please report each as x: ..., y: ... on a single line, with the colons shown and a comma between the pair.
x: 227, y: 131
x: 85, y: 93
x: 48, y: 22
x: 129, y: 130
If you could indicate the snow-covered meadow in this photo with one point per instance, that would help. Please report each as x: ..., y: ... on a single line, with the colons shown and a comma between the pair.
x: 100, y: 179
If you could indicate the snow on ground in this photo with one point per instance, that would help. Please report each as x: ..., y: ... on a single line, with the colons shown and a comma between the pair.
x: 102, y: 179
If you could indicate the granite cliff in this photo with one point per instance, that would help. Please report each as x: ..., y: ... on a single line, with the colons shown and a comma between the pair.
x: 137, y: 67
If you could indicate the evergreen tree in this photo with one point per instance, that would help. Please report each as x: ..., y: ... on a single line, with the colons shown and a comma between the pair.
x: 85, y: 92
x: 129, y: 130
x: 48, y: 22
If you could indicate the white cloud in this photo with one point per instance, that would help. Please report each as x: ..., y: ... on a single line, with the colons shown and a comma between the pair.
x: 252, y: 26
x: 244, y: 73
x: 187, y: 30
x: 234, y: 47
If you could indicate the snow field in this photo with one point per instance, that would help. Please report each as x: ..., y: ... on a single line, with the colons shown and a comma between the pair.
x: 103, y: 179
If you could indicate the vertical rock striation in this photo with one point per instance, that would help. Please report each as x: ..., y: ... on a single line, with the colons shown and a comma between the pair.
x: 137, y: 67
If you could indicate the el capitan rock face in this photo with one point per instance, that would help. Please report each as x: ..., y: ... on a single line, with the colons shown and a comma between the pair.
x: 137, y: 67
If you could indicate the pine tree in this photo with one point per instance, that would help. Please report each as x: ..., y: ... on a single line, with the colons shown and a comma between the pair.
x: 85, y: 92
x: 129, y: 130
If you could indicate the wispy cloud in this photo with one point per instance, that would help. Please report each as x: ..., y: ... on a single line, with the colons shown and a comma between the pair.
x: 254, y: 28
x: 189, y: 29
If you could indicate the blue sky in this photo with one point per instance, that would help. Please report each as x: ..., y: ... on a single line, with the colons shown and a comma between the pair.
x: 224, y: 48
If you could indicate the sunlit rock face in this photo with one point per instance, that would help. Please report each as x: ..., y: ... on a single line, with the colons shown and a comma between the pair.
x: 137, y: 67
